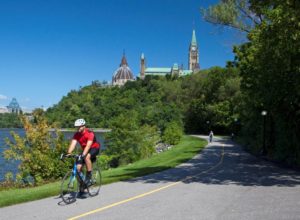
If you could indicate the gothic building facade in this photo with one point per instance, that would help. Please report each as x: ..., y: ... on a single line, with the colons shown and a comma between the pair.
x: 193, y: 63
x: 194, y: 54
x: 124, y: 74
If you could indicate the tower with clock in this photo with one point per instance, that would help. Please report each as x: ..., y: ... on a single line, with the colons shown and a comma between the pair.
x: 194, y: 54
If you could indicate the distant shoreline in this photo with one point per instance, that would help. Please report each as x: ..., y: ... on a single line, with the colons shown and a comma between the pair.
x: 98, y: 130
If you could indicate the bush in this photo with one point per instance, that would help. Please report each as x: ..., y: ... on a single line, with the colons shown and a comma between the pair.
x: 129, y: 142
x: 172, y: 134
x: 103, y: 161
x: 38, y: 151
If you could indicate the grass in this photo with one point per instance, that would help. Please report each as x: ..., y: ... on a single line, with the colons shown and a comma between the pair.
x: 185, y: 150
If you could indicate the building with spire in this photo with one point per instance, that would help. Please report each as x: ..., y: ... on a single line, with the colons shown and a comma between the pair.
x: 175, y: 70
x: 194, y: 54
x: 122, y: 74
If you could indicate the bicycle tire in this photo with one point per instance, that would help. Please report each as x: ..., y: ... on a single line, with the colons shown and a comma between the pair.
x: 69, y: 188
x: 94, y: 189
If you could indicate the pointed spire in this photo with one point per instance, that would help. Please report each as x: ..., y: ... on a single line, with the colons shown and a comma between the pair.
x: 124, y: 61
x: 194, y: 41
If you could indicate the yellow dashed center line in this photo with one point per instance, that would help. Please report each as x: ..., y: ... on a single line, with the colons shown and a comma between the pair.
x: 150, y: 192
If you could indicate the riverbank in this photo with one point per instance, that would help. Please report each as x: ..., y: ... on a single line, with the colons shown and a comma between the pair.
x: 185, y: 150
x: 12, y: 166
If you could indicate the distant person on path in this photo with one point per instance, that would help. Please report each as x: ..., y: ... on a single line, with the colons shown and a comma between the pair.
x: 89, y: 145
x: 211, y: 135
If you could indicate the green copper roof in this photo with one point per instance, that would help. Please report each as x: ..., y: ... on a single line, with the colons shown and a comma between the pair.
x: 194, y: 41
x: 157, y: 70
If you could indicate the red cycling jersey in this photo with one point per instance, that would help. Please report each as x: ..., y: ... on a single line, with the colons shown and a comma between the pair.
x: 84, y: 137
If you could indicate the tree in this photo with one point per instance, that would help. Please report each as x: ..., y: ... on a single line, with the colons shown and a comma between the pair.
x: 172, y: 133
x: 38, y: 152
x: 128, y: 142
x: 10, y: 120
x: 270, y: 70
x: 236, y: 14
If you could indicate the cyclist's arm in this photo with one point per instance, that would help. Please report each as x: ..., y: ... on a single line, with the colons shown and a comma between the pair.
x: 72, y: 146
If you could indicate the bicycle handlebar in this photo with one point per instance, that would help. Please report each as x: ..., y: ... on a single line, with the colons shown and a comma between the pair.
x: 62, y: 156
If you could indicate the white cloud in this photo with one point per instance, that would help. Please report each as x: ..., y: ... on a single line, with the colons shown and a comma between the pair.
x: 3, y: 97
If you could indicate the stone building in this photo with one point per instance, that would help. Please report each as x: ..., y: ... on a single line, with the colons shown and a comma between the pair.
x: 193, y: 64
x: 122, y: 74
x: 194, y: 54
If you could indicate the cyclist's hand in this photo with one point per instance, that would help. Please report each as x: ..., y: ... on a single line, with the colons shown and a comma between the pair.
x: 62, y: 156
x: 81, y: 157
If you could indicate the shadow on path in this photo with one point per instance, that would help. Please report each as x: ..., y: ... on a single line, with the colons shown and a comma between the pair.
x: 237, y: 168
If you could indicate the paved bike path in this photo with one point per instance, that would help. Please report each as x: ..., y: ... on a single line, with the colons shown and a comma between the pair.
x: 223, y: 182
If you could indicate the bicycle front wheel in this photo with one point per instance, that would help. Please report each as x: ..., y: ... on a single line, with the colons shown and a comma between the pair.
x: 69, y: 188
x: 96, y: 180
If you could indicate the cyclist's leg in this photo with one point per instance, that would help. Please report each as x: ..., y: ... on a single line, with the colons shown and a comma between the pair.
x: 89, y: 166
x: 79, y: 167
x: 93, y: 152
x: 81, y: 186
x: 88, y: 162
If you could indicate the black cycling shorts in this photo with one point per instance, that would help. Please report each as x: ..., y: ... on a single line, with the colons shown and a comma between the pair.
x: 93, y: 152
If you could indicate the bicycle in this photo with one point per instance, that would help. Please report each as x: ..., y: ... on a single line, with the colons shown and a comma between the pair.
x: 73, y: 182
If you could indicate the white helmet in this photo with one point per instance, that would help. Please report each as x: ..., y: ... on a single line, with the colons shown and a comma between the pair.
x: 79, y: 122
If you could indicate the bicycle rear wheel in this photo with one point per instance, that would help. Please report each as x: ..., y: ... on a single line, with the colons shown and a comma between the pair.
x: 69, y: 188
x: 96, y: 180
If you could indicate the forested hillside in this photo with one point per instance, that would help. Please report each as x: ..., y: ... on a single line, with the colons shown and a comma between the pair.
x: 157, y: 109
x: 9, y: 120
x: 203, y: 101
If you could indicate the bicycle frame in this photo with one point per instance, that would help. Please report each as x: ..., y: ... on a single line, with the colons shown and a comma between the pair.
x: 74, y: 173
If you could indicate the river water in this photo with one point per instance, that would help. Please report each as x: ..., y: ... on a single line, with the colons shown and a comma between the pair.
x: 12, y: 166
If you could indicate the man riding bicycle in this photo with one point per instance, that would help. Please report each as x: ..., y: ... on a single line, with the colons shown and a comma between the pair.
x: 89, y: 145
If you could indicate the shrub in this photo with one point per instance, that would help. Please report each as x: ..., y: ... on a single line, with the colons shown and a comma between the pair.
x: 129, y: 142
x: 172, y: 133
x: 38, y: 151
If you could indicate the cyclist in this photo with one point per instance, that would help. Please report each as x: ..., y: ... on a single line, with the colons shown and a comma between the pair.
x: 89, y: 145
x: 211, y: 135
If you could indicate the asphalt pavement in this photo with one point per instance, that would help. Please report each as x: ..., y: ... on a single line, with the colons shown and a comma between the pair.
x: 222, y: 182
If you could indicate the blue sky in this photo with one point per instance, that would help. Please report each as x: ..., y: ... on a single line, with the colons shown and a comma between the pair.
x: 48, y: 48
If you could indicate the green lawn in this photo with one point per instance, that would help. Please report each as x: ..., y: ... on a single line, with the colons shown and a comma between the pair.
x: 185, y: 150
